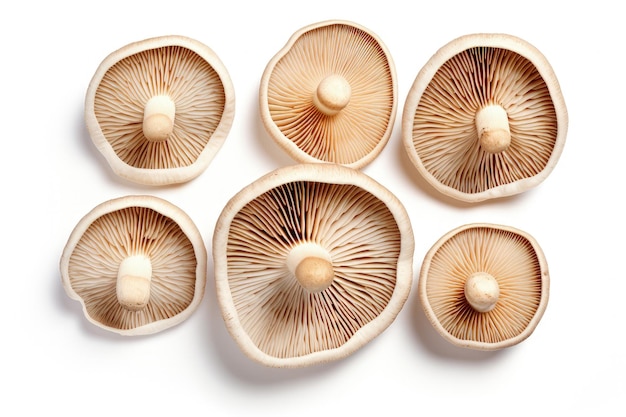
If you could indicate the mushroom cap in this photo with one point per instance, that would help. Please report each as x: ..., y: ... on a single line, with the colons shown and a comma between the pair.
x: 444, y: 109
x: 200, y: 98
x: 327, y: 211
x: 330, y: 95
x: 506, y: 255
x: 115, y: 234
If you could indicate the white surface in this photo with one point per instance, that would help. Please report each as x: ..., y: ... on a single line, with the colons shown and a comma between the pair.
x: 54, y: 360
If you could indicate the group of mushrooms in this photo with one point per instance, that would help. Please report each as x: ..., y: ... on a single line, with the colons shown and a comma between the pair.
x: 314, y: 260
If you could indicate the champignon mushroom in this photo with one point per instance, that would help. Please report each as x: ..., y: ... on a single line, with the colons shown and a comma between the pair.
x: 485, y: 118
x: 330, y: 95
x: 484, y: 286
x: 137, y: 264
x: 160, y: 109
x: 312, y: 261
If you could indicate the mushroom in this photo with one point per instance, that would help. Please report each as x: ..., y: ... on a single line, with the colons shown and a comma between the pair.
x: 160, y: 109
x: 312, y: 261
x: 137, y: 264
x: 484, y: 286
x: 485, y: 118
x: 330, y: 95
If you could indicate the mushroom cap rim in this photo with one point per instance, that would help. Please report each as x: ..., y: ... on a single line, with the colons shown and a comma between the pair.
x: 470, y: 344
x: 314, y: 172
x: 168, y: 176
x: 160, y: 206
x: 287, y: 145
x: 424, y: 77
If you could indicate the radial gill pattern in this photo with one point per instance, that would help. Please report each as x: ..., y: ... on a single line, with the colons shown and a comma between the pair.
x: 504, y: 255
x: 94, y: 264
x: 356, y: 56
x: 356, y: 229
x: 177, y: 72
x: 444, y: 135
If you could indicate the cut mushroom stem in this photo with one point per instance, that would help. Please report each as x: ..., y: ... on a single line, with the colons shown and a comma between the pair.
x: 332, y: 95
x: 312, y: 267
x: 158, y: 118
x: 492, y: 125
x: 482, y: 291
x: 133, y: 282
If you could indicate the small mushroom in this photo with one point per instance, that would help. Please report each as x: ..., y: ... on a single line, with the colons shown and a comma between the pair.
x: 485, y: 118
x: 160, y: 109
x: 484, y: 286
x: 330, y: 95
x: 137, y: 264
x: 312, y: 261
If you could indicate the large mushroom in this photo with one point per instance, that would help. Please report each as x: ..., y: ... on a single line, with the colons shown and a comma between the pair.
x: 485, y: 118
x: 330, y: 95
x: 160, y: 109
x: 137, y: 264
x: 312, y: 261
x: 484, y: 286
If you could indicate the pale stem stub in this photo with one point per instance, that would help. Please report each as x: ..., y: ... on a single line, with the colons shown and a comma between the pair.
x: 492, y: 125
x: 332, y: 95
x: 133, y: 282
x: 312, y: 267
x: 482, y: 291
x: 158, y: 118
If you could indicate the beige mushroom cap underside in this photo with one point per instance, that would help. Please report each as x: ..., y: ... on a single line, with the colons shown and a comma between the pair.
x: 484, y: 286
x: 485, y: 118
x: 137, y: 264
x: 332, y: 221
x: 330, y: 94
x: 160, y: 109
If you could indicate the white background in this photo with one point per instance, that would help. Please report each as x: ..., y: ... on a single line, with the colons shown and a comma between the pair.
x: 54, y: 360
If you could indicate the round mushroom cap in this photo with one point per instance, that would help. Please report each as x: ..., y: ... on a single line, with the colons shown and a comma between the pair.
x: 160, y: 109
x: 312, y: 261
x: 484, y: 286
x: 330, y: 95
x: 137, y: 264
x: 485, y: 118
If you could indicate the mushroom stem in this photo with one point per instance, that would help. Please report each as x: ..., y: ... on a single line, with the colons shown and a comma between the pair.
x: 133, y: 282
x: 332, y: 95
x: 158, y: 118
x: 312, y: 267
x: 315, y: 274
x: 482, y: 291
x: 492, y: 125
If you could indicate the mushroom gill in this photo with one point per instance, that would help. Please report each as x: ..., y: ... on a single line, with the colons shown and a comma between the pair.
x: 158, y: 108
x: 342, y: 227
x: 507, y: 263
x: 115, y: 242
x: 485, y: 119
